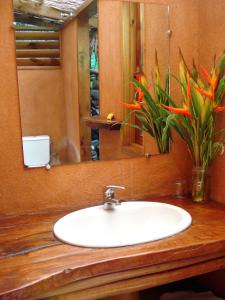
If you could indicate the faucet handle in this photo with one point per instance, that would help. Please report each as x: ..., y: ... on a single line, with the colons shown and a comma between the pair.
x: 115, y: 187
x: 109, y: 193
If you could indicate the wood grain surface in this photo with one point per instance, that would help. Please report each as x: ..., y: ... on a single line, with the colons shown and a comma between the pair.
x: 35, y: 264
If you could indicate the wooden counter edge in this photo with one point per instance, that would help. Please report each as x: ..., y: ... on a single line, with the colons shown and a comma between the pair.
x: 136, y: 279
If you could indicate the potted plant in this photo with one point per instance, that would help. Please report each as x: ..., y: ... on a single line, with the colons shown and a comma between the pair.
x: 194, y: 120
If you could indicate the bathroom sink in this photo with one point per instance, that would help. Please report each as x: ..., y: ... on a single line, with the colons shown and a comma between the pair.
x: 130, y: 223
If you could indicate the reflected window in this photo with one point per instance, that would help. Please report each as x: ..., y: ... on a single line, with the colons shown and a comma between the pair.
x: 94, y: 85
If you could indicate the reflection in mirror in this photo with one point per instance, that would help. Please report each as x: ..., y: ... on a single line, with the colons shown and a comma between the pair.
x: 63, y: 118
x: 144, y: 43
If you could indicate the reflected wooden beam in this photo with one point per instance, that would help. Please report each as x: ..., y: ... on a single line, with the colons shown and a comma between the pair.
x: 38, y: 61
x: 23, y: 17
x: 35, y: 28
x: 37, y: 53
x: 42, y: 35
x: 37, y: 45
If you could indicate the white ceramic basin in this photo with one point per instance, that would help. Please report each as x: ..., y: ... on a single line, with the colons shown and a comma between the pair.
x: 131, y: 223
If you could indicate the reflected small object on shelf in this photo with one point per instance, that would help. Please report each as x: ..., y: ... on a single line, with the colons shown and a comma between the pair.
x: 110, y: 117
x: 181, y: 190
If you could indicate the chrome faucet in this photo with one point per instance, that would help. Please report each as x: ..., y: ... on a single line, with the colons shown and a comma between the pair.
x: 109, y: 196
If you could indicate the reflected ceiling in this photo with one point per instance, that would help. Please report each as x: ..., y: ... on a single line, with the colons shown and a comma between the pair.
x: 57, y: 11
x: 67, y: 6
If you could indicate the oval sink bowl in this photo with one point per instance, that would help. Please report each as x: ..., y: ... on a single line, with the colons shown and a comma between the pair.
x: 130, y: 223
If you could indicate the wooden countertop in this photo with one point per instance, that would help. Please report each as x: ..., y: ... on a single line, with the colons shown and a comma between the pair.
x: 34, y: 263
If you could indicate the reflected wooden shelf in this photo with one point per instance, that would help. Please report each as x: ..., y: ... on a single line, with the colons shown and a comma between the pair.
x: 102, y: 123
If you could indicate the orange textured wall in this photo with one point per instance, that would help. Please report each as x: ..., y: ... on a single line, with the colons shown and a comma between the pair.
x: 42, y: 106
x: 212, y: 32
x: 80, y: 185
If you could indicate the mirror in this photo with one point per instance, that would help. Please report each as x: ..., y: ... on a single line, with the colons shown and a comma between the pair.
x: 75, y: 66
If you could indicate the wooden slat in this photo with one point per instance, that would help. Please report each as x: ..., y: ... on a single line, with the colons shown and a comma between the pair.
x: 31, y: 35
x: 38, y: 61
x: 29, y: 53
x: 38, y: 67
x: 35, y: 28
x: 24, y: 18
x: 38, y: 45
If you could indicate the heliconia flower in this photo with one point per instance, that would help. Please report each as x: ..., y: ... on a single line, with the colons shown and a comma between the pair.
x: 204, y: 93
x: 140, y: 77
x: 139, y: 94
x: 185, y: 110
x: 212, y: 80
x: 179, y: 111
x: 206, y: 74
x: 211, y: 95
x: 134, y: 106
x: 219, y: 108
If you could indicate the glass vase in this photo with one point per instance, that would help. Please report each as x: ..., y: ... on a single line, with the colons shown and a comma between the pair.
x: 200, y: 185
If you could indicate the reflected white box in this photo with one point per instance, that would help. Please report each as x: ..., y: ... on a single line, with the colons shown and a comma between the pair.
x: 36, y: 151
